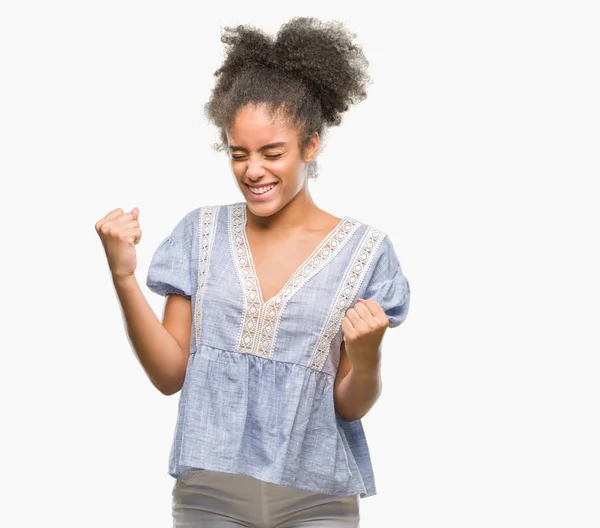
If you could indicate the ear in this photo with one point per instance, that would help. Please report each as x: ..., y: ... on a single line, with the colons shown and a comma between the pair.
x: 312, y: 149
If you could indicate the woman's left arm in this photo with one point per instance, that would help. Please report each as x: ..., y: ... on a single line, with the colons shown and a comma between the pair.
x: 357, y: 384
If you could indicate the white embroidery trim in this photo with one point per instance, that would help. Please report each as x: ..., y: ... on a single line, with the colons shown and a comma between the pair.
x: 261, y: 320
x: 345, y: 295
x: 206, y: 235
x: 247, y: 276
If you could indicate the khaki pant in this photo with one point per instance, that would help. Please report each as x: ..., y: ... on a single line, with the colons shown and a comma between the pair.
x: 214, y: 499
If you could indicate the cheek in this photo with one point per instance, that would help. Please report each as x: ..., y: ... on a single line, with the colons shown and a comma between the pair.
x: 288, y: 169
x: 238, y: 170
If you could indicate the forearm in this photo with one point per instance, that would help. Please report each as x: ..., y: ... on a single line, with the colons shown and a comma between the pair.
x: 157, y: 350
x: 357, y: 392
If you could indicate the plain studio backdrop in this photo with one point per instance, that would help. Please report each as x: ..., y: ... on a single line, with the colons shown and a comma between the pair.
x: 476, y: 151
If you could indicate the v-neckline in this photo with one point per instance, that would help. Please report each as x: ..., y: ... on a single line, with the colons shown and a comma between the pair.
x: 297, y: 272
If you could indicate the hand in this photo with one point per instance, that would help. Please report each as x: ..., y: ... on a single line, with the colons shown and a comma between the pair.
x: 364, y: 326
x: 120, y: 232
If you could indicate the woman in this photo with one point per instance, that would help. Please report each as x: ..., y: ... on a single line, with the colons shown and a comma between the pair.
x: 275, y: 309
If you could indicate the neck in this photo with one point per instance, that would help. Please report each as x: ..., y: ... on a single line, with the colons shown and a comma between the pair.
x: 296, y: 214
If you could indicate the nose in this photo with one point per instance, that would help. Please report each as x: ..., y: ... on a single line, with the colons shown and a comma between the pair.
x: 255, y: 170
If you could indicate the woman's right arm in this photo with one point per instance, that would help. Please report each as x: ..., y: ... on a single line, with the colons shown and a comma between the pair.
x: 161, y: 348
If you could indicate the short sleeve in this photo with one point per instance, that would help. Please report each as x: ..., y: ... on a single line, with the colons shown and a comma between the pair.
x: 170, y: 266
x: 388, y: 285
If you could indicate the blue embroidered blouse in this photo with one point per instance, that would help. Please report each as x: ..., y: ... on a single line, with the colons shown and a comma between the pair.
x: 258, y: 392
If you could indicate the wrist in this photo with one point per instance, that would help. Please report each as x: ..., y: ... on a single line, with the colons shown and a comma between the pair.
x: 364, y: 361
x: 123, y: 281
x: 367, y: 370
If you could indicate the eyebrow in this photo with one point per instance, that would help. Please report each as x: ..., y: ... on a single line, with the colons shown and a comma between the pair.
x: 234, y: 148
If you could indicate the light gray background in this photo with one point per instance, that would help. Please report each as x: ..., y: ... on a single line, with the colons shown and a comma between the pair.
x: 476, y: 151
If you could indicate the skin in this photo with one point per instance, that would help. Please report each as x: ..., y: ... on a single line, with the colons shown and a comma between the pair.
x: 291, y: 205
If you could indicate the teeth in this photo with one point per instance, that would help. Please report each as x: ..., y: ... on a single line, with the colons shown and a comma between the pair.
x: 261, y: 190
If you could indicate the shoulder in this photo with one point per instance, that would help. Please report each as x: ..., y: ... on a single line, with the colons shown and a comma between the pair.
x: 195, y: 213
x: 367, y: 227
x: 215, y: 208
x: 381, y: 249
x: 375, y: 237
x: 202, y: 213
x: 385, y: 280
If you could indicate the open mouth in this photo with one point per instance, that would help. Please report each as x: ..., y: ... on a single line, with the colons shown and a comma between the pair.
x: 262, y: 192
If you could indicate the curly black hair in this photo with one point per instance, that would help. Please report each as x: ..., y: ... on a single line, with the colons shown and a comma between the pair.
x: 310, y: 73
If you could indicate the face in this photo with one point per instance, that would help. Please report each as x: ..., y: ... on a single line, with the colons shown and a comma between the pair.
x: 266, y: 159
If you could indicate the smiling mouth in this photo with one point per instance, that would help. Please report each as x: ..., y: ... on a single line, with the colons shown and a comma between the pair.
x: 263, y: 189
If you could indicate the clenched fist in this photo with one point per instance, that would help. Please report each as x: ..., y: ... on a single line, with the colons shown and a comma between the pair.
x: 364, y: 326
x: 120, y: 232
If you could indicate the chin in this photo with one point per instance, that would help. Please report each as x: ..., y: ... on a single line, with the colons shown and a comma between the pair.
x: 269, y: 207
x: 258, y: 209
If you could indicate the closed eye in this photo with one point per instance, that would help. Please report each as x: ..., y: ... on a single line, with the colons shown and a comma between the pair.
x: 268, y: 156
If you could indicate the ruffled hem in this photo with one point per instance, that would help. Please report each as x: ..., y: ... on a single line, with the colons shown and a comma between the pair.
x: 271, y: 420
x: 265, y: 476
